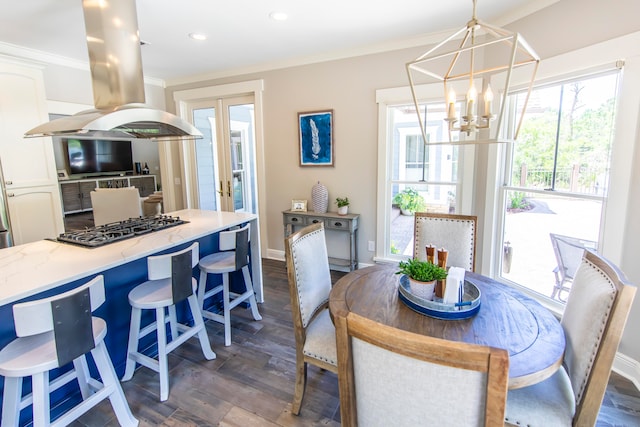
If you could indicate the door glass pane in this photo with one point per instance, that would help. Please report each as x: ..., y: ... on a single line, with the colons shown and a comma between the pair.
x: 559, y: 176
x: 238, y: 191
x: 204, y: 120
x: 242, y: 152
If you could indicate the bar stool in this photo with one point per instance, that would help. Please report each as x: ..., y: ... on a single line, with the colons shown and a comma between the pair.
x: 51, y: 333
x: 170, y: 282
x: 233, y: 256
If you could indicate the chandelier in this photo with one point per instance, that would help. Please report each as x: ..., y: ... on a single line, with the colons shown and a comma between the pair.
x: 486, y: 65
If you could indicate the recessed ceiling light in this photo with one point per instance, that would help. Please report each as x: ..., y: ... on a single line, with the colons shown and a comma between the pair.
x: 278, y: 16
x: 197, y: 36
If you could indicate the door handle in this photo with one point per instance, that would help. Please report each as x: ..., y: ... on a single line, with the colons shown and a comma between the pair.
x: 221, y: 191
x: 229, y: 188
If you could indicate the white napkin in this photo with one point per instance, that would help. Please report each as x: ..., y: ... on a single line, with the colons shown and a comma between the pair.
x: 455, y: 279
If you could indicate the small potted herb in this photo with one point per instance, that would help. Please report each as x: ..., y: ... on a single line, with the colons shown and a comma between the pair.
x: 422, y: 276
x: 343, y: 205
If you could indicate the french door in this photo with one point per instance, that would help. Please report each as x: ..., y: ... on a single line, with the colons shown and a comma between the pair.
x: 225, y: 156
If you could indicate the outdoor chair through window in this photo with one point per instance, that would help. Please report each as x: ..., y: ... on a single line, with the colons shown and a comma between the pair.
x: 568, y: 251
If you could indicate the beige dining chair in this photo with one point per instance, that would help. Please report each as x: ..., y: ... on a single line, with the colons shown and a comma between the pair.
x: 593, y: 321
x: 455, y: 233
x: 309, y: 287
x: 391, y: 377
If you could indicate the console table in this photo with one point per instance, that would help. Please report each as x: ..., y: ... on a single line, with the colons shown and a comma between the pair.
x: 332, y: 221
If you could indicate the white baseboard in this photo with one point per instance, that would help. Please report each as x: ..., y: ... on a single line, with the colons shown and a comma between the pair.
x: 622, y: 364
x: 628, y: 368
x: 275, y: 255
x: 279, y: 256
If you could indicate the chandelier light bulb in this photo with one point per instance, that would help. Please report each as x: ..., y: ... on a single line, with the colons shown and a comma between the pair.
x: 452, y: 105
x: 472, y: 95
x: 488, y: 99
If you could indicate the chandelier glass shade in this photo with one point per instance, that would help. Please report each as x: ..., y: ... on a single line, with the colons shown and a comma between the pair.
x: 478, y: 66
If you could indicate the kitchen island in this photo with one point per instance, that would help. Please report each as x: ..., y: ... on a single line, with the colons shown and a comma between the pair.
x: 29, y: 269
x: 44, y: 268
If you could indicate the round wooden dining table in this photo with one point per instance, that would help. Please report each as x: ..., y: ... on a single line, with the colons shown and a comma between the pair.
x: 506, y: 319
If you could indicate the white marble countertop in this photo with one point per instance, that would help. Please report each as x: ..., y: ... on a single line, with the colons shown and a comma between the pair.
x: 31, y: 268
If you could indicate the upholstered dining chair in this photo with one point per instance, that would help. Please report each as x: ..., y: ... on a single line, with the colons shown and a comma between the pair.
x: 594, y: 318
x: 455, y: 233
x: 309, y: 286
x: 389, y: 377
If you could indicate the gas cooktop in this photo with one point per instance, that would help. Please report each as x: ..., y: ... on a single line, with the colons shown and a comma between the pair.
x: 114, y: 232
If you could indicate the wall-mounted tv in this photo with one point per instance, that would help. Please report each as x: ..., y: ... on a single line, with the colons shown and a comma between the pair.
x: 97, y: 156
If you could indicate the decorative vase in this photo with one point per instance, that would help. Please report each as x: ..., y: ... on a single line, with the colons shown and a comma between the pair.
x: 343, y: 210
x: 320, y: 198
x: 424, y: 290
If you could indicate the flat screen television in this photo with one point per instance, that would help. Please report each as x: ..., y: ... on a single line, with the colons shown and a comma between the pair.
x: 97, y: 156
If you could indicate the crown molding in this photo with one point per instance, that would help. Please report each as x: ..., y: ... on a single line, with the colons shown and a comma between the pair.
x: 11, y: 52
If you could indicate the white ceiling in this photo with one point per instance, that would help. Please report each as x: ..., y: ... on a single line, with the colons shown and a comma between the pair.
x: 241, y: 36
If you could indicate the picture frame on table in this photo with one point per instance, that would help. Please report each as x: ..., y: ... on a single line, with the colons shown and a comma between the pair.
x: 298, y: 205
x: 315, y: 131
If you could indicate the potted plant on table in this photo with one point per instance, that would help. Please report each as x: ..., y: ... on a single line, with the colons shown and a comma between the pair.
x: 343, y: 205
x: 409, y: 201
x: 422, y: 276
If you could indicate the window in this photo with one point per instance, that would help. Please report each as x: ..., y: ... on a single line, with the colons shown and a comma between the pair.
x: 413, y: 176
x: 557, y: 176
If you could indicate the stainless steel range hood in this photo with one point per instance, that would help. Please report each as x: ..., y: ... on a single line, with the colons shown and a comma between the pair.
x: 118, y: 83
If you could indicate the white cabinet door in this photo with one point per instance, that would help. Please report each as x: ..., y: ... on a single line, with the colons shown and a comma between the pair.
x: 35, y: 213
x: 29, y: 167
x: 30, y: 161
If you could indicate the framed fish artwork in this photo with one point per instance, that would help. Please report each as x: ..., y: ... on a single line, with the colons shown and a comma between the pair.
x: 316, y: 138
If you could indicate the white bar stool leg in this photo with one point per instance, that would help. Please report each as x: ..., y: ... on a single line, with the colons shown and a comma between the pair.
x: 132, y: 347
x: 202, y: 284
x: 252, y: 299
x: 41, y: 407
x: 227, y: 309
x: 163, y: 363
x: 110, y: 380
x: 173, y: 322
x: 202, y: 332
x: 82, y: 374
x: 12, y: 394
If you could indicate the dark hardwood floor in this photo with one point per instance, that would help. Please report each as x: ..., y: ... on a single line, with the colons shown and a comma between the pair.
x: 251, y: 382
